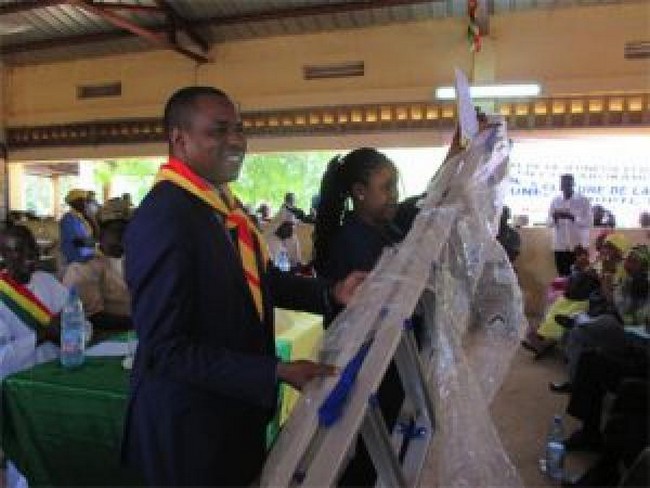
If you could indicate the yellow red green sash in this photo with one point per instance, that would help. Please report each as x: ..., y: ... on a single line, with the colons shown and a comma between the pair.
x: 249, y: 239
x: 23, y: 303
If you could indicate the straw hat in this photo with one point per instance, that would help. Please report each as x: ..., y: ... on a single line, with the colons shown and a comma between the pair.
x: 76, y: 194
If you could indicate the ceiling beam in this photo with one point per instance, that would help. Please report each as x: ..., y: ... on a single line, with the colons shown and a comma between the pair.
x: 266, y: 15
x: 31, y: 46
x: 175, y: 20
x: 145, y: 9
x: 118, y: 21
x: 153, y: 36
x: 295, y: 12
x: 27, y: 5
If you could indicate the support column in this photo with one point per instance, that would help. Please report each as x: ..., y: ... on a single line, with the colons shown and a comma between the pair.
x: 4, y: 183
x: 56, y: 200
x: 14, y: 186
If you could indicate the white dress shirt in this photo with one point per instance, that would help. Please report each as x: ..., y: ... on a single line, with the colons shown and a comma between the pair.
x: 18, y: 348
x: 567, y: 233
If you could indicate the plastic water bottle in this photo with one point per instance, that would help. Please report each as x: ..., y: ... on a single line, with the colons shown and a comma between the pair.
x: 282, y: 261
x: 73, y: 333
x: 555, y: 450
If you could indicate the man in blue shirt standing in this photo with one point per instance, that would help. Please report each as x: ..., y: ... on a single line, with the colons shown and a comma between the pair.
x: 76, y: 229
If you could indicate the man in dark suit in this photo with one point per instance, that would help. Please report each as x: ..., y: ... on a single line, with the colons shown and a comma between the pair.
x: 205, y: 377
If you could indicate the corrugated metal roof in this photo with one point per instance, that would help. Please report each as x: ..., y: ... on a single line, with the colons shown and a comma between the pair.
x: 33, y: 31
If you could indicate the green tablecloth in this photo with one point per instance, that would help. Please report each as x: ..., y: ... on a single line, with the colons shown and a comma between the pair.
x: 64, y: 427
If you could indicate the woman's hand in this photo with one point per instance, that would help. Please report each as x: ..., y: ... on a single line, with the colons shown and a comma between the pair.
x: 344, y: 290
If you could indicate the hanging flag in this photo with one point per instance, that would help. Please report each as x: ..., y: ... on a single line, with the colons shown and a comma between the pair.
x: 473, y: 30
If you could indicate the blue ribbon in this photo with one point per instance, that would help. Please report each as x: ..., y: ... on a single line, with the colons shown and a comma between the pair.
x: 331, y: 408
x: 410, y: 430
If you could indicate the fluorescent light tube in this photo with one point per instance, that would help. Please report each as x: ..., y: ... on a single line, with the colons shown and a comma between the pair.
x: 492, y: 91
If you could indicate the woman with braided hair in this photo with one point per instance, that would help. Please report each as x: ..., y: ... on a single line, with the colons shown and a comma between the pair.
x: 352, y: 239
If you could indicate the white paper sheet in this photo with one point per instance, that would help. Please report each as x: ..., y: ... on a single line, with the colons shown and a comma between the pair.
x: 466, y: 113
x: 112, y: 348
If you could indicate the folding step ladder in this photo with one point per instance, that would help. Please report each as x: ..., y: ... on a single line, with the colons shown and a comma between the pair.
x: 316, y: 443
x: 321, y: 435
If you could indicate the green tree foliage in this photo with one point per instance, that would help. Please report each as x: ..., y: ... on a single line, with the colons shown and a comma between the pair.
x: 267, y: 177
x: 135, y: 174
x: 264, y: 178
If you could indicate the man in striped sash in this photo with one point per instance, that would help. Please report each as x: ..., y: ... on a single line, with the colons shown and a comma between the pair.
x: 29, y: 307
x: 205, y: 377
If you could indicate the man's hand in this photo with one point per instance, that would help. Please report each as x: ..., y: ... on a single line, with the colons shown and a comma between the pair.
x: 563, y: 214
x: 567, y: 215
x: 299, y: 373
x: 344, y: 290
x: 456, y: 145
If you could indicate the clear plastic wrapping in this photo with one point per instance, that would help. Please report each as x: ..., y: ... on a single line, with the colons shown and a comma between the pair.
x: 451, y: 270
x: 477, y: 323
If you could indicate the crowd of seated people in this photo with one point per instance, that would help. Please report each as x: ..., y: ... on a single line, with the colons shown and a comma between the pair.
x: 610, y: 312
x: 586, y: 278
x: 93, y: 266
x: 602, y: 323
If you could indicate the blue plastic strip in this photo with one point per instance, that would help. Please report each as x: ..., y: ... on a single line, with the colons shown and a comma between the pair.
x: 331, y: 408
x: 410, y: 430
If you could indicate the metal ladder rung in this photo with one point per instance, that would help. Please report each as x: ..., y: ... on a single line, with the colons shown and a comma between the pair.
x: 378, y: 443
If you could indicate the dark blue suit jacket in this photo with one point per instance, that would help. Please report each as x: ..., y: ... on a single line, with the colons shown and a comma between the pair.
x: 203, y: 385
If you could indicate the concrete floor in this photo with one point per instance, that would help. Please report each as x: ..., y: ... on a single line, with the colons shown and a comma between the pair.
x: 522, y: 411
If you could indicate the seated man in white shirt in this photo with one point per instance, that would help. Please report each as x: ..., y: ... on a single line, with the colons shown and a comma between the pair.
x: 30, y: 311
x: 570, y: 217
x: 100, y: 281
x: 30, y: 305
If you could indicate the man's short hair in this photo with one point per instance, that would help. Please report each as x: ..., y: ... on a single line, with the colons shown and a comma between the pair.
x: 179, y: 106
x: 567, y: 176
